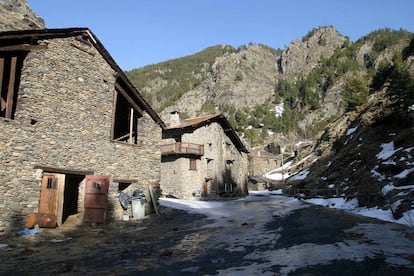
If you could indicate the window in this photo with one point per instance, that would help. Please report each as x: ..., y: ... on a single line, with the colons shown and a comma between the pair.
x: 126, y: 116
x: 193, y: 164
x: 51, y: 184
x: 10, y: 70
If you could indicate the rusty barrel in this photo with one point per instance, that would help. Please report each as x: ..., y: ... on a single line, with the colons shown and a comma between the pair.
x: 42, y: 219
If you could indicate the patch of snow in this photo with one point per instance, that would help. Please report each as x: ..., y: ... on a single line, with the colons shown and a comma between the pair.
x: 302, y: 255
x: 266, y: 193
x: 301, y: 175
x: 386, y: 189
x: 375, y: 212
x: 279, y: 109
x: 389, y: 162
x: 331, y: 186
x: 329, y: 164
x: 336, y: 203
x: 411, y: 108
x: 192, y: 269
x: 351, y: 130
x: 277, y: 192
x: 407, y: 218
x: 409, y: 149
x: 404, y: 173
x: 387, y: 151
x: 277, y: 176
x: 352, y: 206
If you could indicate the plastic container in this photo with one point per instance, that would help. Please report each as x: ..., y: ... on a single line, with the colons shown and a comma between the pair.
x: 138, y: 208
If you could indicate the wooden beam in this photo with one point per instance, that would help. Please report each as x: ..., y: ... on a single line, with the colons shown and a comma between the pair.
x: 116, y: 180
x: 10, y: 89
x: 63, y: 171
x: 114, y: 114
x: 131, y: 125
x: 129, y: 99
x: 23, y: 47
x: 2, y: 102
x: 154, y: 204
x: 1, y: 70
x: 122, y: 137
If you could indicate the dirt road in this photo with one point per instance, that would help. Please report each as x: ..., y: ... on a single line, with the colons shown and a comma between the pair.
x: 255, y: 236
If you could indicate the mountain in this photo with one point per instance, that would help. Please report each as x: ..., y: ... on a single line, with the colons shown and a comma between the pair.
x: 368, y: 152
x: 306, y: 81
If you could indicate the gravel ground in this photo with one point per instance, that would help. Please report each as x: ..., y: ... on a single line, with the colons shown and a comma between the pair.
x: 310, y: 240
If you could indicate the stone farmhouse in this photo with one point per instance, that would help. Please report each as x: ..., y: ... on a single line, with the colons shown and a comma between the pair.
x: 74, y: 131
x: 202, y: 158
x: 261, y: 161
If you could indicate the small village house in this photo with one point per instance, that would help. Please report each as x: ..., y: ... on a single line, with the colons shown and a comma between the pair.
x: 261, y: 162
x: 202, y: 158
x: 74, y: 131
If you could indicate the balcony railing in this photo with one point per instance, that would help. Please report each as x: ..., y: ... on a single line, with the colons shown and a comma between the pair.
x: 182, y: 148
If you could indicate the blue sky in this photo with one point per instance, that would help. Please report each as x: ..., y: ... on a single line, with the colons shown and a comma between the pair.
x: 142, y: 32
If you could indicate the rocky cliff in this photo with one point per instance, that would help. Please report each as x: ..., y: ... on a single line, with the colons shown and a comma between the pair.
x: 247, y: 77
x: 300, y: 57
x: 17, y: 15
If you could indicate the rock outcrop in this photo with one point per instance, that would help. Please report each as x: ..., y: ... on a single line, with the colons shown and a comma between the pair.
x: 17, y: 15
x: 300, y: 57
x: 246, y: 78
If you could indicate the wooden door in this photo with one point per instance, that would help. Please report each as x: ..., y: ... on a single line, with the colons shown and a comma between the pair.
x: 51, y: 195
x: 96, y: 198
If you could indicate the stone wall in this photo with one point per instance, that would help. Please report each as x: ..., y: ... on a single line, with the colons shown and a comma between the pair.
x: 259, y: 165
x: 63, y: 120
x: 17, y: 15
x: 177, y: 180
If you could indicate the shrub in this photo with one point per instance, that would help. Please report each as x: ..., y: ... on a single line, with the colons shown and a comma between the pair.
x: 355, y: 92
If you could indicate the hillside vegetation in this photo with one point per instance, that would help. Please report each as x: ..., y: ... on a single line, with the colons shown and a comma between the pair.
x: 248, y: 84
x: 164, y: 83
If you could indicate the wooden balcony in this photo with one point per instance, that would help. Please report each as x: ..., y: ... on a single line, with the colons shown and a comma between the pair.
x: 182, y: 148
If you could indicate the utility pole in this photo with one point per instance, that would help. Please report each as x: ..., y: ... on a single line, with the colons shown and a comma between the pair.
x: 283, y: 174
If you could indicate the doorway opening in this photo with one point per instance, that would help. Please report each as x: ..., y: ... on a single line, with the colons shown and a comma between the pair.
x: 71, y: 202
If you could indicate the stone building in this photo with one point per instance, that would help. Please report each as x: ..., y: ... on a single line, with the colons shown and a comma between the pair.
x: 202, y: 158
x: 74, y: 131
x: 261, y: 162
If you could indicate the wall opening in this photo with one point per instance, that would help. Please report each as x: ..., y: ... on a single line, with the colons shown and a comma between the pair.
x: 71, y: 195
x: 11, y: 64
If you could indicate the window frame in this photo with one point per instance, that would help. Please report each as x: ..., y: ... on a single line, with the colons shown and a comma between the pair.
x: 123, y: 107
x: 11, y: 63
x: 192, y: 164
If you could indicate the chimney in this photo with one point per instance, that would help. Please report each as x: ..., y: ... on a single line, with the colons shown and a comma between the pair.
x: 174, y: 119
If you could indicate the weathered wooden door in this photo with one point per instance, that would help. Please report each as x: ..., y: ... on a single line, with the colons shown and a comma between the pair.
x: 96, y: 198
x: 51, y: 195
